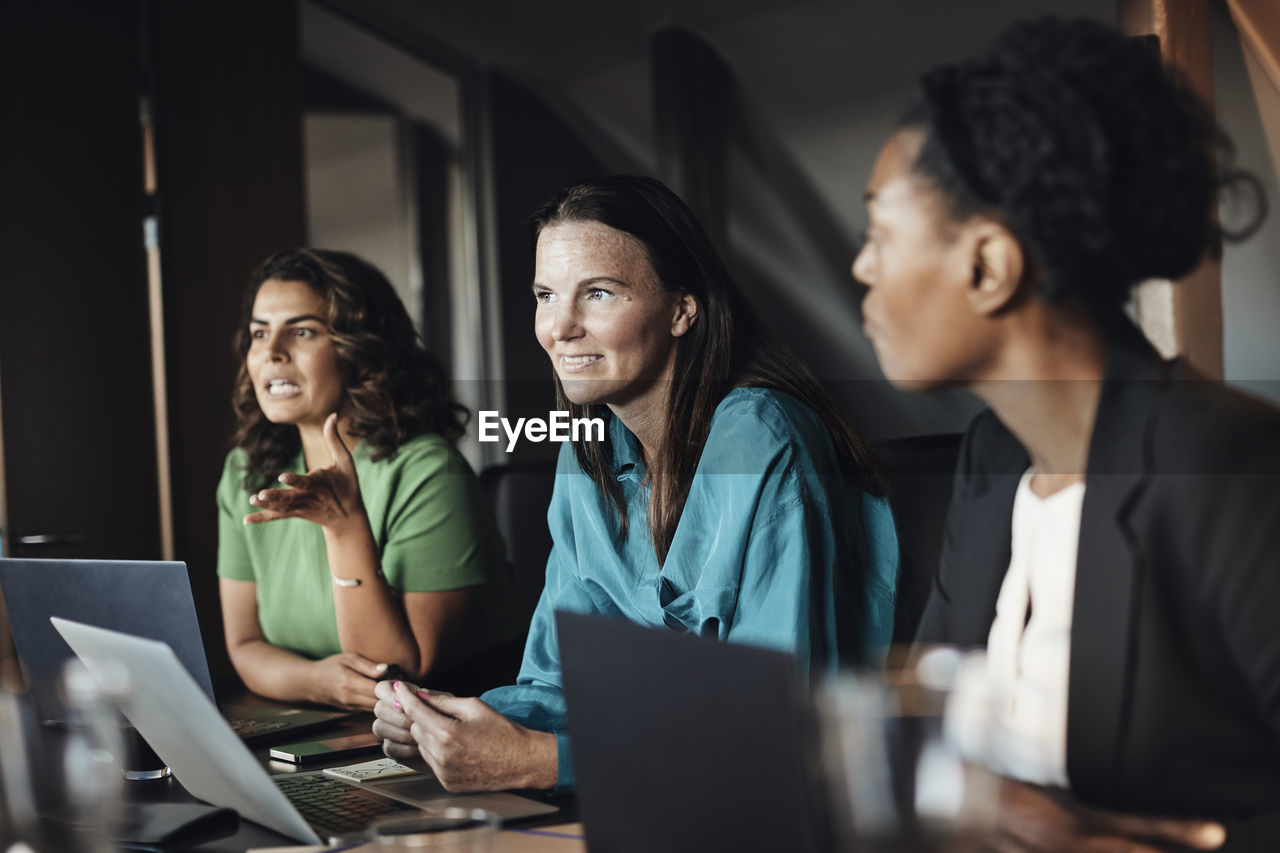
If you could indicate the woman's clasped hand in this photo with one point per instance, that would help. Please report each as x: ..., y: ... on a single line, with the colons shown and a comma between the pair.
x: 465, y: 743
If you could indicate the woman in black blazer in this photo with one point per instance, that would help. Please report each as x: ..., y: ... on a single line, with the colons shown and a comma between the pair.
x: 1011, y: 214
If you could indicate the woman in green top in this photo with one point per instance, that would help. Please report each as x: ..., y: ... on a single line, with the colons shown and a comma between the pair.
x: 382, y: 554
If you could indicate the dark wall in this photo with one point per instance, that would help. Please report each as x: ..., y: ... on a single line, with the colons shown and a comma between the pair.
x: 229, y: 137
x: 75, y: 362
x: 534, y: 154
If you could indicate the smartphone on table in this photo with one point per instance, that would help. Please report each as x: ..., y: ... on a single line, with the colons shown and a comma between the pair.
x: 329, y: 749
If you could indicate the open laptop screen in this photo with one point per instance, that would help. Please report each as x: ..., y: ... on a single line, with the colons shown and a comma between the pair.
x: 147, y: 599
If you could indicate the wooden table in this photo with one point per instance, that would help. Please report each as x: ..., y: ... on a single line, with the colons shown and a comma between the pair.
x: 558, y: 838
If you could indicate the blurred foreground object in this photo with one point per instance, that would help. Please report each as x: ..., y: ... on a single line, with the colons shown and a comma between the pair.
x: 61, y: 788
x: 896, y: 781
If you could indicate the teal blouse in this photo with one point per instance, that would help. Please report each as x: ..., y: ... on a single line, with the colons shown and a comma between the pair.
x: 775, y: 548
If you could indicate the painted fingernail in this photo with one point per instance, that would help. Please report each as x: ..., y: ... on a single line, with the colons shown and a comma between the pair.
x: 395, y: 685
x: 397, y: 705
x: 424, y: 694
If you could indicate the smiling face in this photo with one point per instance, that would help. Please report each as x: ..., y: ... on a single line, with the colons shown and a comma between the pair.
x: 291, y: 360
x: 919, y: 267
x: 604, y: 318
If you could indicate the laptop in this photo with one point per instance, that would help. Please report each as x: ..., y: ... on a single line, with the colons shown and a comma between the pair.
x: 687, y: 744
x: 177, y: 719
x: 149, y: 599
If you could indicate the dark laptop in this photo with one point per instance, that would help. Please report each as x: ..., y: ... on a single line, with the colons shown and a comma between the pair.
x: 687, y: 744
x: 148, y: 599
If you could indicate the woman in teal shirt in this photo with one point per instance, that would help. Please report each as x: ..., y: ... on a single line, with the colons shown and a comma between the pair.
x: 382, y: 554
x: 730, y: 499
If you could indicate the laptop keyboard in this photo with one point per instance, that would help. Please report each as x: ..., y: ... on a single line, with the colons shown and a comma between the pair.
x: 336, y: 808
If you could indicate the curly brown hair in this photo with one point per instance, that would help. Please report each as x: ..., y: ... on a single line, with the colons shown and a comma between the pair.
x: 395, y: 388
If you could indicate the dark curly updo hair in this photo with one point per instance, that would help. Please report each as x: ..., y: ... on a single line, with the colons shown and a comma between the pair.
x: 1103, y: 164
x: 395, y: 389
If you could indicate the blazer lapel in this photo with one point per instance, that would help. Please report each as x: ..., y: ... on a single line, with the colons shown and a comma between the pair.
x: 983, y: 523
x: 985, y: 559
x: 1108, y: 570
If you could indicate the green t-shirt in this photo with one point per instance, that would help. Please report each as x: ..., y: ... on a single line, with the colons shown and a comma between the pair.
x: 430, y: 523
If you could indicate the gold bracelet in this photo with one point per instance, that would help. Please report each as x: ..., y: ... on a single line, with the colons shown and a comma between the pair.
x: 345, y: 583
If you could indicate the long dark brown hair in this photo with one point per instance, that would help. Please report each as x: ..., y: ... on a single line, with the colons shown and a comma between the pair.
x: 395, y: 389
x: 727, y: 347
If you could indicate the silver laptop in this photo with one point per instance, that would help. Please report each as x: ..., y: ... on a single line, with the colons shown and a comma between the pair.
x: 187, y: 732
x: 148, y: 598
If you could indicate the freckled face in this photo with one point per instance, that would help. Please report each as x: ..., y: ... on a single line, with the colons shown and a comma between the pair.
x: 291, y: 359
x: 919, y: 273
x: 603, y: 317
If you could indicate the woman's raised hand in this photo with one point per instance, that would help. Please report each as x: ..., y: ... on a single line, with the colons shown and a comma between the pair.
x: 330, y: 496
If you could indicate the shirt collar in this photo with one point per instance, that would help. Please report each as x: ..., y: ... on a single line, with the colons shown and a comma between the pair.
x: 628, y: 458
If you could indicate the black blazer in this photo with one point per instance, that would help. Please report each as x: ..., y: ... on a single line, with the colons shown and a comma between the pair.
x: 1174, y: 685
